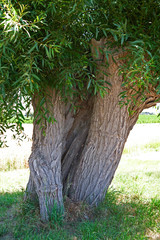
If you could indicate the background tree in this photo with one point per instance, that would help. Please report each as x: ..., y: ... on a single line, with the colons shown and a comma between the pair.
x: 89, y: 68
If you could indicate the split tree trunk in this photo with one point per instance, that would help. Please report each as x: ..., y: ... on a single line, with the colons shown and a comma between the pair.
x: 82, y: 150
x: 108, y: 132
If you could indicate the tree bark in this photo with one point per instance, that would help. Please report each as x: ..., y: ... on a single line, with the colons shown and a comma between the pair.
x: 108, y: 131
x: 83, y: 149
x: 75, y: 142
x: 45, y: 159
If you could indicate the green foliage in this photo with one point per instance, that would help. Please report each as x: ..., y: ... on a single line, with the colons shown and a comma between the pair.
x: 48, y: 43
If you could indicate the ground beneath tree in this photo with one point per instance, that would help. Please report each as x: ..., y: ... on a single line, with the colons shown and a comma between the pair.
x: 140, y: 135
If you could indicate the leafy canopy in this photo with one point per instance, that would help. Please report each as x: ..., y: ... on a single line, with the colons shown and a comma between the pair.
x: 48, y: 43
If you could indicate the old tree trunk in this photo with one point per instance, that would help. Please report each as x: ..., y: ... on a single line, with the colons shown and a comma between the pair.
x: 79, y: 154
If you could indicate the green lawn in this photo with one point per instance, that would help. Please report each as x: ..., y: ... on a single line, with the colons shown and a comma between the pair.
x: 148, y: 119
x: 131, y: 209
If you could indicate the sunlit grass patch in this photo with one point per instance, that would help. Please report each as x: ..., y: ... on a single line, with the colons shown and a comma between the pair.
x: 13, y: 181
x: 131, y: 209
x: 152, y: 146
x: 138, y: 176
x: 14, y: 162
x: 15, y: 157
x: 148, y: 119
x: 121, y: 218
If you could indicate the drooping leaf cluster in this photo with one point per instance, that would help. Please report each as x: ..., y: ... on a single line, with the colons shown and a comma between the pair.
x: 48, y: 43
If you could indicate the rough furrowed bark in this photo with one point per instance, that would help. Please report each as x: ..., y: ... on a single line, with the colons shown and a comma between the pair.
x: 45, y: 160
x: 102, y: 152
x: 30, y: 193
x: 108, y: 132
x: 75, y: 142
x: 83, y: 149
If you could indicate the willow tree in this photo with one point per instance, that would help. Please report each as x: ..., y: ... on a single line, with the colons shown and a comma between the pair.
x: 89, y: 68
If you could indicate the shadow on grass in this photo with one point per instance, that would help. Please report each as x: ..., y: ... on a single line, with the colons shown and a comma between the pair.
x: 118, y: 217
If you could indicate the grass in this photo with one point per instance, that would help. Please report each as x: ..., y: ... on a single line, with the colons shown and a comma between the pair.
x: 17, y: 157
x: 14, y: 157
x: 148, y: 147
x: 148, y: 119
x: 131, y: 209
x: 28, y: 120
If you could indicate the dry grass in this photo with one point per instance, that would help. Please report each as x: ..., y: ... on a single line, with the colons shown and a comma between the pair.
x: 152, y: 235
x: 16, y: 155
x: 77, y: 211
x: 131, y: 209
